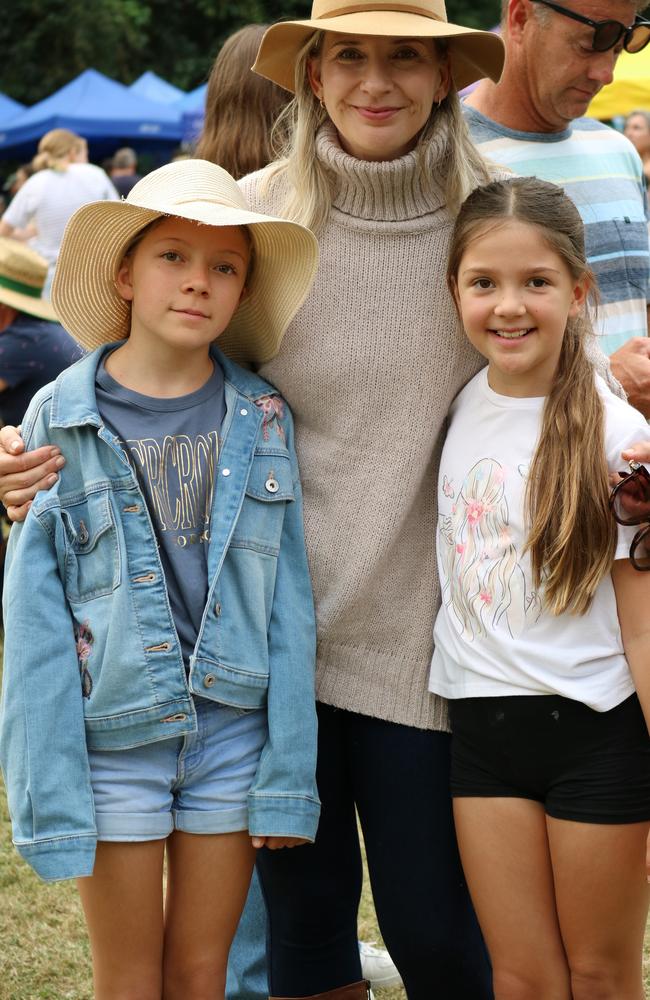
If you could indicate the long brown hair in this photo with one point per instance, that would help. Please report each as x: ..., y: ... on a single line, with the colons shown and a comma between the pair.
x: 571, y: 534
x: 240, y: 107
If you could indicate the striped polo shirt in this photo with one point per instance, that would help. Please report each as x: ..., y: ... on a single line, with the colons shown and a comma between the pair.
x: 602, y: 173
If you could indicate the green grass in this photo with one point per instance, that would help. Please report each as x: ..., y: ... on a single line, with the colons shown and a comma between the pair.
x: 43, y: 947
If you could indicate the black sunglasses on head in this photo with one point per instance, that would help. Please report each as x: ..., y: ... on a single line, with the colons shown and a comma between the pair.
x: 607, y: 34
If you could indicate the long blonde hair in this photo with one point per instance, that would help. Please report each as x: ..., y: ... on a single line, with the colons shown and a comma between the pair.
x: 310, y: 197
x: 55, y: 148
x: 571, y: 534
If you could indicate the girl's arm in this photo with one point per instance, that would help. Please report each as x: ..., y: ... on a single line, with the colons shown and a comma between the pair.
x: 42, y: 732
x: 283, y: 801
x: 632, y: 589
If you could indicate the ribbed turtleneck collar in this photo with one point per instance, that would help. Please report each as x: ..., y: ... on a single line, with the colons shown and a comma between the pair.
x: 388, y: 190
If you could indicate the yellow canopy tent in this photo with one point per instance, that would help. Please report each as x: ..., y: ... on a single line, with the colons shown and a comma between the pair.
x: 629, y: 90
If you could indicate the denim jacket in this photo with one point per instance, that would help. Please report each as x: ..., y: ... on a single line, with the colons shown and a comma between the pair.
x: 85, y: 563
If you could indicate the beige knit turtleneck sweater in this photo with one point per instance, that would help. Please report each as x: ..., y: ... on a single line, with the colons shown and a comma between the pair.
x: 369, y: 367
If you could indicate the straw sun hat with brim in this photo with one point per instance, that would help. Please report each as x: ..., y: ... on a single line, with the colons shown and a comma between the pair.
x: 22, y: 276
x: 473, y: 54
x: 285, y: 256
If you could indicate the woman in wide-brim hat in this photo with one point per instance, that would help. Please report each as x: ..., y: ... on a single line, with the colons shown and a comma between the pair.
x: 378, y: 163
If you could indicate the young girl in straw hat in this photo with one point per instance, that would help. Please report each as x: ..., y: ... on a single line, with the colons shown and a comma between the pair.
x: 379, y: 162
x: 158, y: 688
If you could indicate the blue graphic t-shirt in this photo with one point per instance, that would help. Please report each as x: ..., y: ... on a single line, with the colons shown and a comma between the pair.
x: 173, y: 445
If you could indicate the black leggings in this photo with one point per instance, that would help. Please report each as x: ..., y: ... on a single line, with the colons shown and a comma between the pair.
x: 398, y: 778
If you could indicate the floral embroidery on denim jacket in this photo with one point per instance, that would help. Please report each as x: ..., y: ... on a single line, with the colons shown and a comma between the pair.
x: 273, y: 409
x: 84, y: 639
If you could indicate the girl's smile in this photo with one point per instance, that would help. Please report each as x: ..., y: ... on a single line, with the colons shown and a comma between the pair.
x: 515, y: 295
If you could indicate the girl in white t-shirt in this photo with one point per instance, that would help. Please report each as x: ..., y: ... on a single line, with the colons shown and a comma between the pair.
x: 544, y: 631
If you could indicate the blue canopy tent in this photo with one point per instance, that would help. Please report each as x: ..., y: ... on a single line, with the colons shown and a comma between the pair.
x: 9, y: 109
x: 104, y: 112
x: 192, y: 108
x: 154, y: 88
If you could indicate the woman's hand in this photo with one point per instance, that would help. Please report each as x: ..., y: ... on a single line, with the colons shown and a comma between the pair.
x: 23, y: 474
x: 631, y: 366
x: 275, y: 843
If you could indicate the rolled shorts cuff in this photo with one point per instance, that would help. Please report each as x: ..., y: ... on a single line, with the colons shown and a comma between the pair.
x: 140, y: 827
x: 219, y: 821
x: 133, y: 826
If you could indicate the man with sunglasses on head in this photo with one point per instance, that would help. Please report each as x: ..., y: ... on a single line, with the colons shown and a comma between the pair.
x: 558, y: 56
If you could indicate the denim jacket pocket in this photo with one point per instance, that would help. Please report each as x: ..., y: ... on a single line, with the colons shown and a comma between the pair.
x: 269, y: 487
x: 92, y: 556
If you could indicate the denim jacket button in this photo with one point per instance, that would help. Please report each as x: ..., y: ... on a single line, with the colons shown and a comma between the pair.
x: 244, y: 411
x: 209, y: 680
x: 217, y: 609
x: 225, y: 472
x: 272, y: 484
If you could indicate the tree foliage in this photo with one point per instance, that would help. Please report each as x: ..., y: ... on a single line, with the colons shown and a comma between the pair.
x: 47, y: 44
x: 485, y: 14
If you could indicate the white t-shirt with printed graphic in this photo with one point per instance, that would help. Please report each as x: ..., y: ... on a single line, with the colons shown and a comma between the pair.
x: 491, y: 635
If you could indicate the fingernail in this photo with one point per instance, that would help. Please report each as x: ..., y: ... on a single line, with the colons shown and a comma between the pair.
x: 15, y: 445
x: 60, y: 462
x: 51, y: 479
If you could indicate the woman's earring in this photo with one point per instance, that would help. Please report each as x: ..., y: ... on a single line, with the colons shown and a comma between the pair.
x: 322, y: 104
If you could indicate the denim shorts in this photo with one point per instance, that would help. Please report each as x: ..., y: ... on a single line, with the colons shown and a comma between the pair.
x: 197, y: 783
x: 585, y: 766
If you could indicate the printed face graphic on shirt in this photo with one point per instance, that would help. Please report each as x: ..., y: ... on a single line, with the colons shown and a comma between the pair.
x: 484, y: 583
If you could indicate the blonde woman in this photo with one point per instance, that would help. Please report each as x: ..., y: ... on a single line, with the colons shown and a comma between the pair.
x: 63, y: 181
x: 378, y: 164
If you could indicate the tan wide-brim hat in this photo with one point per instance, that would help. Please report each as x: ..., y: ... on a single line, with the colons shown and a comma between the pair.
x: 473, y: 54
x: 22, y: 276
x: 285, y: 257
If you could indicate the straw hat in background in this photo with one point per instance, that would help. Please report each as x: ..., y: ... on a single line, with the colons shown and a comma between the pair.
x: 473, y: 54
x: 22, y: 276
x: 285, y: 257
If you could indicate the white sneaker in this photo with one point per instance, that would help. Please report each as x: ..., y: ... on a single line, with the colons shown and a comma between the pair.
x: 377, y: 966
